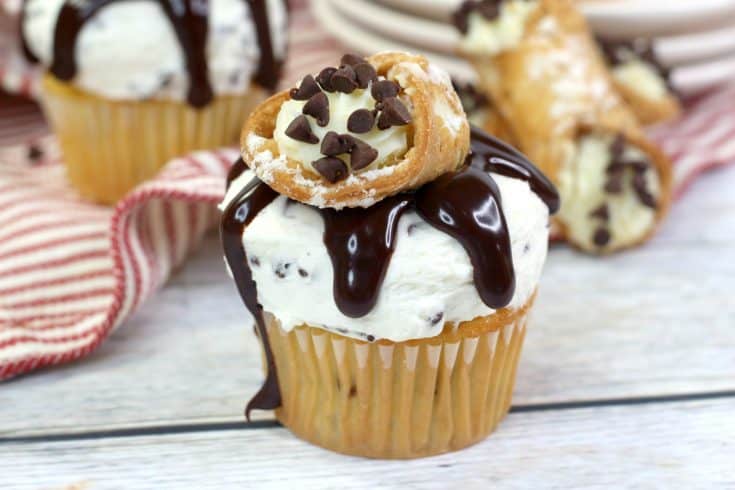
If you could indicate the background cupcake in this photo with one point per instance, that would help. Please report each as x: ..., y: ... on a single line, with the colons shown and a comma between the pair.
x: 129, y: 85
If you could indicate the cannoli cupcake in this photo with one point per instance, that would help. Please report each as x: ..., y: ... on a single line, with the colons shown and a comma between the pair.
x: 131, y: 84
x: 390, y: 256
x: 539, y: 64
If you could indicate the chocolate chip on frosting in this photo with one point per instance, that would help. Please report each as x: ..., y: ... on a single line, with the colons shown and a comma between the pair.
x: 384, y: 89
x: 362, y: 154
x: 300, y: 130
x: 334, y: 144
x: 331, y: 168
x: 365, y: 73
x: 351, y: 59
x: 344, y: 79
x: 306, y: 90
x: 393, y: 113
x: 602, y: 213
x: 601, y: 237
x: 361, y: 121
x: 318, y: 108
x: 325, y: 78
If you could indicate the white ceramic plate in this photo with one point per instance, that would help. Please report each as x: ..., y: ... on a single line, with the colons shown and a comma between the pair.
x: 616, y: 17
x: 440, y: 37
x: 688, y: 79
x: 358, y: 38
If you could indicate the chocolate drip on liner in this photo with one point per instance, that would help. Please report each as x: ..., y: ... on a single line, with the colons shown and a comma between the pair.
x: 466, y: 205
x: 190, y: 20
x: 239, y: 214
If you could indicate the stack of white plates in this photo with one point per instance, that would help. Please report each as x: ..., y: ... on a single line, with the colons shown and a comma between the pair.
x: 695, y: 38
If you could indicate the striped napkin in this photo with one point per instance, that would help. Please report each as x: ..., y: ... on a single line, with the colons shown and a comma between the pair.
x: 71, y: 272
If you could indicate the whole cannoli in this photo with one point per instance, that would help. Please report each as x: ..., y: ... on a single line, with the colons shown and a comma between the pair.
x: 540, y: 65
x: 352, y: 135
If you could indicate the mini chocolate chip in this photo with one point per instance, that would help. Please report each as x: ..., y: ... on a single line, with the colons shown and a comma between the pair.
x: 318, y: 108
x: 351, y: 59
x: 384, y: 89
x: 436, y: 318
x: 342, y: 330
x: 371, y: 338
x: 526, y: 248
x: 489, y: 10
x: 601, y: 237
x: 614, y: 185
x: 325, y: 78
x: 361, y: 121
x: 300, y: 130
x: 394, y: 113
x: 639, y: 166
x: 306, y: 90
x: 617, y: 147
x: 362, y: 154
x: 365, y: 73
x: 34, y: 153
x: 303, y: 273
x: 331, y: 168
x: 641, y: 189
x: 344, y: 80
x: 602, y: 213
x: 334, y: 144
x: 615, y: 168
x: 281, y: 269
x: 255, y: 261
x: 412, y: 228
x: 461, y: 15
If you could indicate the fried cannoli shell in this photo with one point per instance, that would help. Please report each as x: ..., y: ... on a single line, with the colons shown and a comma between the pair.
x: 438, y: 141
x: 554, y: 87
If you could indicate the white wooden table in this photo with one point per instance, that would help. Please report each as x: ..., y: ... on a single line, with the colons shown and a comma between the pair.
x: 627, y: 380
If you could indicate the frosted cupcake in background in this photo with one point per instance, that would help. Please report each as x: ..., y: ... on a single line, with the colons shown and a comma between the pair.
x: 131, y: 84
x: 390, y: 256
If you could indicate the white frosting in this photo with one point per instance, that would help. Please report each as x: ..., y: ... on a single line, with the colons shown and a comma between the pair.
x: 581, y: 184
x: 491, y: 37
x: 129, y: 49
x: 430, y: 272
x: 642, y: 78
x: 391, y: 141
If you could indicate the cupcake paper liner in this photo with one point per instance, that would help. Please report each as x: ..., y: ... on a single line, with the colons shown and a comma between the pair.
x: 111, y: 146
x: 397, y: 400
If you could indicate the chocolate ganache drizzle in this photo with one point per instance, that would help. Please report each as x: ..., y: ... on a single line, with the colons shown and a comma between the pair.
x: 465, y: 204
x: 190, y: 20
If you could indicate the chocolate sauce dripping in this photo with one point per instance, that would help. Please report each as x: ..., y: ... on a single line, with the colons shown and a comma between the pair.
x: 269, y: 69
x: 190, y: 20
x: 360, y: 243
x: 494, y: 155
x: 238, y: 215
x: 467, y: 206
x: 236, y: 171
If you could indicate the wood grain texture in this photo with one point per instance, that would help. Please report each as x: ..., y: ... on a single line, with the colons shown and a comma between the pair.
x: 685, y: 445
x: 657, y: 320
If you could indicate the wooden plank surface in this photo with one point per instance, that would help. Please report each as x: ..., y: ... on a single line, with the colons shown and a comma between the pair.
x: 655, y: 321
x: 671, y: 445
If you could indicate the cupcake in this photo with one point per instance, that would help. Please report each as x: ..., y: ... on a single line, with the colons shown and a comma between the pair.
x: 390, y: 256
x: 130, y: 85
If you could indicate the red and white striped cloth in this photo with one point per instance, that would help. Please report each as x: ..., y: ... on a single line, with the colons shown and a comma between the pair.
x: 71, y: 272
